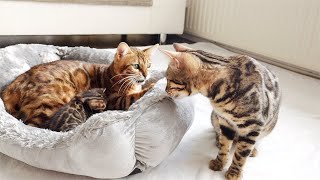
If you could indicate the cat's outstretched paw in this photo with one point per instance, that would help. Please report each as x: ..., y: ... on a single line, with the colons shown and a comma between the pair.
x: 216, y: 165
x: 97, y: 105
x: 233, y: 174
x: 149, y: 87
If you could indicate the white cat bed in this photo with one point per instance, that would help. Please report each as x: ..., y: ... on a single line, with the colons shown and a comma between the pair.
x: 110, y: 144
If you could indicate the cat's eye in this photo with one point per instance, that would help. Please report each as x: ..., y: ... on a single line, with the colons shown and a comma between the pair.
x: 136, y: 66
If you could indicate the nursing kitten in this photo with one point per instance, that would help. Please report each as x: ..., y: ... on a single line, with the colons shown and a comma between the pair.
x: 245, y: 97
x: 78, y: 110
x: 37, y: 94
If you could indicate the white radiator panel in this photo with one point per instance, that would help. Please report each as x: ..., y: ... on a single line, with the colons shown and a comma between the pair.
x: 286, y: 30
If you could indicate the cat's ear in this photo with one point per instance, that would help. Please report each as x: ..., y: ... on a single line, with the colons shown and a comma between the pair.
x: 123, y: 49
x: 180, y: 48
x: 174, y: 56
x: 171, y: 54
x: 149, y: 51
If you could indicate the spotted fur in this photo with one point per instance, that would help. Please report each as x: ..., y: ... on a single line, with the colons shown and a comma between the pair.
x: 78, y: 110
x: 245, y: 97
x: 36, y: 95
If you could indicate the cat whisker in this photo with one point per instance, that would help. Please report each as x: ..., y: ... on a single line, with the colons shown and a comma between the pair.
x: 128, y: 85
x: 124, y: 83
x: 120, y: 75
x: 132, y: 82
x: 121, y: 80
x: 124, y: 87
x: 116, y: 76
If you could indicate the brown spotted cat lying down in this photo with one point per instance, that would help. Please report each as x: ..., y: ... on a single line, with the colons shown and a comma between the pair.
x: 244, y: 94
x: 36, y: 95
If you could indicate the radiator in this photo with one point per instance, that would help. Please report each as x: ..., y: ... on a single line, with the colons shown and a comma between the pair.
x: 285, y: 30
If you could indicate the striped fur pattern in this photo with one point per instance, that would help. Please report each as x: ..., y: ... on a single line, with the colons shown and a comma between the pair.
x: 78, y: 110
x: 36, y: 95
x: 245, y: 97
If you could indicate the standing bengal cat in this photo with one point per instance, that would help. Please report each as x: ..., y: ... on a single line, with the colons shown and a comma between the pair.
x: 78, y: 110
x: 38, y: 93
x: 244, y: 94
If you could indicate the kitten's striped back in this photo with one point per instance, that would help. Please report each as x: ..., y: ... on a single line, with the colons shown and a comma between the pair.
x: 78, y: 110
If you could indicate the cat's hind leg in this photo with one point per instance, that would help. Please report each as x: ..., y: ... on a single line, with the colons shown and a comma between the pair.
x: 225, y: 142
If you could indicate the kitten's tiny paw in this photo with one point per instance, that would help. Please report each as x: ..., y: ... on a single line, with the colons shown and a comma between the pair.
x: 233, y: 174
x: 97, y: 105
x: 254, y: 153
x: 216, y: 165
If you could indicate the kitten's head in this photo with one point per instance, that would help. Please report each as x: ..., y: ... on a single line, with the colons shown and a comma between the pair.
x: 131, y: 64
x: 181, y: 71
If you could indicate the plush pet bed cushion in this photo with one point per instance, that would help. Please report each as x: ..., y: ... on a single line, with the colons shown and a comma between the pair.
x: 110, y: 144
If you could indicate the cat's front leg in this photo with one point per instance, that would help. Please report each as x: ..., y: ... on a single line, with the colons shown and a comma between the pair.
x: 125, y: 101
x: 149, y: 87
x: 225, y: 142
x: 244, y: 148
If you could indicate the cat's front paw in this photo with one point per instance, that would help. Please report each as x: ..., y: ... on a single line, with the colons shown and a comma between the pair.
x: 150, y: 87
x: 233, y: 174
x: 216, y: 165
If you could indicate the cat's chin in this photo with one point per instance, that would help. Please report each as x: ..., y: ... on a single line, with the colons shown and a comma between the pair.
x: 137, y: 87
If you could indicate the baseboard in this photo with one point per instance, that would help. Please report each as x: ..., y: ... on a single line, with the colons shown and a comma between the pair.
x: 260, y: 57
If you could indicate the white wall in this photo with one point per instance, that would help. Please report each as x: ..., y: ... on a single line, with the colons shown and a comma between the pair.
x: 286, y: 30
x: 38, y: 18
